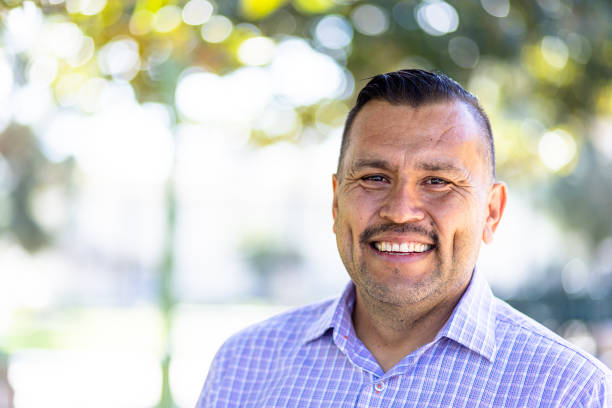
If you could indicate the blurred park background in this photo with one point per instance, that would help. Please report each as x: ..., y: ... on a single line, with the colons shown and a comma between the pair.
x: 165, y: 173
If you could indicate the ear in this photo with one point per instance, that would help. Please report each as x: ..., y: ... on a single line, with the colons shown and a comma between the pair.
x: 496, y: 204
x: 335, y: 200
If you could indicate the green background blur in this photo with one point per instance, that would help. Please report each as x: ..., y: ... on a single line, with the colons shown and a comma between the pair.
x: 165, y: 173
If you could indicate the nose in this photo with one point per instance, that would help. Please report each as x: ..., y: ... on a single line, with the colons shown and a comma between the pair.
x: 402, y: 205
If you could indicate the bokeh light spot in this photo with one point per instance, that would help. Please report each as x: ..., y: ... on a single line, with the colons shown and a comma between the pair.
x: 194, y: 92
x: 140, y: 22
x: 256, y: 9
x: 602, y: 136
x: 556, y: 149
x: 23, y: 25
x: 437, y: 17
x: 554, y: 51
x: 64, y: 40
x: 579, y: 47
x: 304, y: 76
x: 575, y: 276
x: 237, y: 97
x: 120, y: 58
x: 277, y: 120
x: 464, y: 52
x: 85, y: 7
x: 197, y: 12
x: 84, y: 54
x: 256, y: 51
x: 216, y: 29
x: 496, y: 8
x: 370, y: 20
x: 167, y: 19
x: 334, y: 32
x: 313, y: 6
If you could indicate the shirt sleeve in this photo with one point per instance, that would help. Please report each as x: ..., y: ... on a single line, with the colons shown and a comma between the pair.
x: 209, y: 397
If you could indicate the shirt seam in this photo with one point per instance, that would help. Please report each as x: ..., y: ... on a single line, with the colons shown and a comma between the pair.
x: 589, y: 389
x: 552, y: 340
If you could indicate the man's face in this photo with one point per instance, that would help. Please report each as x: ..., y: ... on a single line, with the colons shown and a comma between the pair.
x: 413, y: 198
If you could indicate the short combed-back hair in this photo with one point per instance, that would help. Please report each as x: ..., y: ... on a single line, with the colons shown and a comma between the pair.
x: 416, y: 87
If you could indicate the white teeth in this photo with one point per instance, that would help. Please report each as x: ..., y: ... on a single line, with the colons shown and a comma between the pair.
x: 403, y: 247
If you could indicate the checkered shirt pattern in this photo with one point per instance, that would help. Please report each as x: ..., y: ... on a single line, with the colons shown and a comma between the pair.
x: 486, y: 355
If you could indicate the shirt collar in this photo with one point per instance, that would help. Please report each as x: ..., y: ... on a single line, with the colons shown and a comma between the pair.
x: 337, y: 315
x: 472, y: 323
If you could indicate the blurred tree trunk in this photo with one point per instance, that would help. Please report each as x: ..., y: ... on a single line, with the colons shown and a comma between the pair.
x: 166, y: 297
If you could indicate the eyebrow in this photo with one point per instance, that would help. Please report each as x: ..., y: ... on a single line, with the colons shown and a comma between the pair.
x: 375, y: 163
x: 426, y: 166
x: 440, y: 166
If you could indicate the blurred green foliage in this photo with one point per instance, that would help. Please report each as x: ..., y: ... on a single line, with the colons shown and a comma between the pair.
x: 538, y: 66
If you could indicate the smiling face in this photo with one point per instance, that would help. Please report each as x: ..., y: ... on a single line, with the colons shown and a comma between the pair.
x: 413, y: 198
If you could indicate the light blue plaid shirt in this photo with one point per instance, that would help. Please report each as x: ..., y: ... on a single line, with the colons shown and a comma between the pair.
x: 487, y: 355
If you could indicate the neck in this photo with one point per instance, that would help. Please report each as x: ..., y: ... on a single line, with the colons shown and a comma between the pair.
x: 392, y: 332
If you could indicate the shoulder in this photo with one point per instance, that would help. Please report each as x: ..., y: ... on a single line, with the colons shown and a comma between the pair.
x: 538, y: 353
x: 519, y: 328
x: 277, y: 333
x: 250, y: 358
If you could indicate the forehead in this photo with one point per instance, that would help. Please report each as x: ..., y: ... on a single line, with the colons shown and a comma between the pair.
x: 429, y: 132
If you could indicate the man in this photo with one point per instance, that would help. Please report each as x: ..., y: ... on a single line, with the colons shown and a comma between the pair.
x: 414, y: 195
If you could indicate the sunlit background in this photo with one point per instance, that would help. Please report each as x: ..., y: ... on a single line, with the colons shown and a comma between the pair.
x: 165, y: 173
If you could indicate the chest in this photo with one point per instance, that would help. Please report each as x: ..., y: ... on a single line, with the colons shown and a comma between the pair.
x: 329, y: 377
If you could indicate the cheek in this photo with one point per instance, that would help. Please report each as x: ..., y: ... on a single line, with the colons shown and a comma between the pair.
x: 358, y: 207
x: 456, y: 219
x: 354, y: 216
x: 462, y: 228
x: 348, y: 220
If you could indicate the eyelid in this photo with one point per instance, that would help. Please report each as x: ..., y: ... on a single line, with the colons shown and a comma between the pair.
x: 370, y: 176
x: 443, y: 181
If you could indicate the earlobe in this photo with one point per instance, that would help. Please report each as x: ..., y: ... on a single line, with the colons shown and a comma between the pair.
x: 335, y: 200
x: 495, y: 206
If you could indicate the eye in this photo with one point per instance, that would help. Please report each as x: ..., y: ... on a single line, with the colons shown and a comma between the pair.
x: 436, y: 181
x: 375, y: 178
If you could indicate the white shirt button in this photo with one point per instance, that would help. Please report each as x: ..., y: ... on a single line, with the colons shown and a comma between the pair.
x: 379, y: 386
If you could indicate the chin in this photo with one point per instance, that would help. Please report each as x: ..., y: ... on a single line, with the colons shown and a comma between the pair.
x: 399, y: 289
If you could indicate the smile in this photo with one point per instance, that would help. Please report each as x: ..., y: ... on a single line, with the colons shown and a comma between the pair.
x: 404, y: 247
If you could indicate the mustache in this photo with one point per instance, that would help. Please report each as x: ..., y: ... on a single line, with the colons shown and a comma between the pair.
x: 374, y: 230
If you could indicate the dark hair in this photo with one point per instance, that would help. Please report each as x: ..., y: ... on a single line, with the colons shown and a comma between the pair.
x: 416, y: 87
